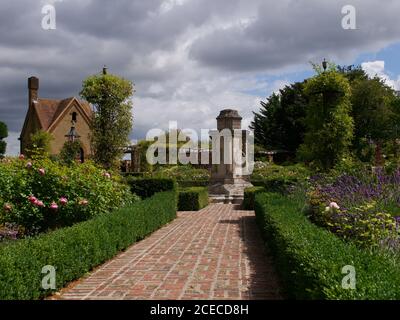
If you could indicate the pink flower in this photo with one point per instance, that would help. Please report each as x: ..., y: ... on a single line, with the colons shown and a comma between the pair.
x: 107, y: 175
x: 334, y: 205
x: 39, y: 203
x: 42, y: 171
x: 32, y: 199
x: 29, y: 165
x: 7, y: 207
x: 54, y: 206
x: 63, y: 201
x: 83, y: 202
x: 21, y: 157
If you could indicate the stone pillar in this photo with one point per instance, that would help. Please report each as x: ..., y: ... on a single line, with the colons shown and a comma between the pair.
x: 227, y: 182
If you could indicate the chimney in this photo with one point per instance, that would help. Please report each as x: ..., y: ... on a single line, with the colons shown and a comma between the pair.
x: 33, y: 87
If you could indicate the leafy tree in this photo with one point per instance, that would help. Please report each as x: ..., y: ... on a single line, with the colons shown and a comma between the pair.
x: 280, y: 121
x: 329, y: 124
x: 70, y: 151
x: 39, y: 146
x: 373, y: 112
x: 112, y: 121
x: 3, y: 135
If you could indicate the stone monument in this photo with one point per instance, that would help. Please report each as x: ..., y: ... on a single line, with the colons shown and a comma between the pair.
x: 228, y: 175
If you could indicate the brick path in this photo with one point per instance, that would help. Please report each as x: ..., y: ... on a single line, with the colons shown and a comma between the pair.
x: 215, y: 253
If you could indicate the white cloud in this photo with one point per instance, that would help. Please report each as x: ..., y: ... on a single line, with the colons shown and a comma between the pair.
x: 377, y: 68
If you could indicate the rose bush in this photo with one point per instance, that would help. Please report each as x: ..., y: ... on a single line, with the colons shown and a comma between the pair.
x: 41, y: 194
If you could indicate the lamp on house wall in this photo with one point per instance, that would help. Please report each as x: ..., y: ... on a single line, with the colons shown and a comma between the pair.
x: 72, y: 135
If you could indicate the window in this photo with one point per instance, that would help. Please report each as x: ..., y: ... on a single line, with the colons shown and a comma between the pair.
x: 74, y: 114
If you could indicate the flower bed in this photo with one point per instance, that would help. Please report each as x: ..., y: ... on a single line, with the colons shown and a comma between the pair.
x: 39, y: 195
x: 363, y: 207
x: 310, y: 259
x: 75, y: 250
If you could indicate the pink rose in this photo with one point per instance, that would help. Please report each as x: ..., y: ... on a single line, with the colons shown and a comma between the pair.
x: 54, y: 206
x: 107, y: 175
x: 21, y: 157
x: 42, y: 171
x: 7, y: 207
x: 39, y: 203
x: 32, y: 199
x: 29, y: 165
x: 63, y: 201
x: 334, y: 205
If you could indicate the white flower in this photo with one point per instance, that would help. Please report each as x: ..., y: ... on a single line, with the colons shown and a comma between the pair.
x: 334, y: 205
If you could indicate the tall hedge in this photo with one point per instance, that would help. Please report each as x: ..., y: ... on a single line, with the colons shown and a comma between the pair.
x: 75, y: 250
x: 192, y: 199
x: 310, y: 259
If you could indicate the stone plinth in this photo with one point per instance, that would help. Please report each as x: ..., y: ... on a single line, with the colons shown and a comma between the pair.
x: 227, y: 182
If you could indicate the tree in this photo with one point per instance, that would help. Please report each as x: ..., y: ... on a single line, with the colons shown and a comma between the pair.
x: 70, y: 151
x: 39, y: 146
x: 280, y: 122
x: 112, y: 121
x: 3, y: 135
x: 373, y: 112
x: 329, y: 124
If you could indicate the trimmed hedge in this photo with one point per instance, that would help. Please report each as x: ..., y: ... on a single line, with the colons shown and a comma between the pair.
x: 192, y: 199
x: 249, y: 197
x: 146, y: 187
x: 310, y: 259
x: 75, y: 250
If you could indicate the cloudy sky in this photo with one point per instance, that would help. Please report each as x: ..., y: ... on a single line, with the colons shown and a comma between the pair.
x: 188, y: 58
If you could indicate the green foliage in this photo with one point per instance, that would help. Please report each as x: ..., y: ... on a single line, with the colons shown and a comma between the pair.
x: 280, y: 123
x: 75, y: 250
x: 310, y: 259
x: 39, y: 145
x: 70, y: 151
x: 112, y: 120
x: 329, y: 123
x: 374, y: 115
x: 146, y: 187
x: 185, y: 175
x: 88, y: 190
x: 192, y: 199
x: 3, y: 135
x: 250, y: 196
x: 276, y: 178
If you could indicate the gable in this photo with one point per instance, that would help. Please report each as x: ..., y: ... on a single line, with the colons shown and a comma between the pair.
x: 64, y: 113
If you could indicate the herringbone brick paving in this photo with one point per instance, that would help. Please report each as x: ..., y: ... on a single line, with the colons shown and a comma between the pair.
x: 215, y: 253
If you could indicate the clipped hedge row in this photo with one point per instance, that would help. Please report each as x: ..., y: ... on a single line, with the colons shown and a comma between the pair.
x: 146, y: 187
x: 249, y: 197
x: 310, y: 259
x: 75, y: 250
x: 192, y: 199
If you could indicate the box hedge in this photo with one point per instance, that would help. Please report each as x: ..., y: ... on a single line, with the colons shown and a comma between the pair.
x: 192, y: 199
x: 249, y: 197
x: 74, y: 251
x: 146, y: 187
x: 310, y: 259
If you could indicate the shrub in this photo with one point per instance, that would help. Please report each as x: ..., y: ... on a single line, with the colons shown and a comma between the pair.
x: 186, y: 174
x: 279, y: 178
x: 249, y: 197
x: 310, y: 259
x: 75, y: 250
x: 192, y: 199
x: 43, y: 194
x: 146, y: 187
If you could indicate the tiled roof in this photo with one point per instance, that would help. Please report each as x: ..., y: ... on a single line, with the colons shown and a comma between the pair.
x: 48, y: 110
